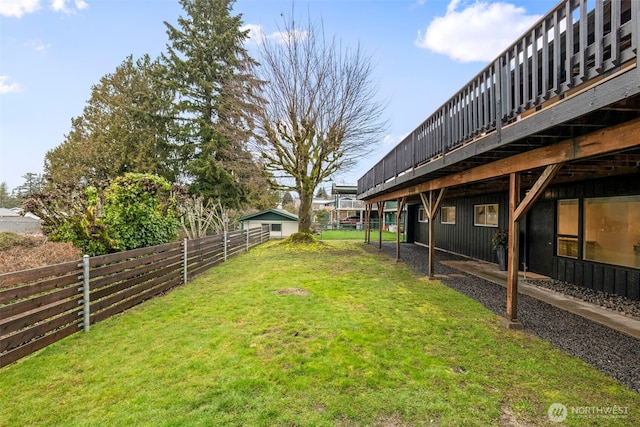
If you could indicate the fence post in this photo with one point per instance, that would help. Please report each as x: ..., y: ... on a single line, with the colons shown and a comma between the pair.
x: 85, y: 292
x: 184, y: 261
x: 225, y: 244
x: 247, y: 230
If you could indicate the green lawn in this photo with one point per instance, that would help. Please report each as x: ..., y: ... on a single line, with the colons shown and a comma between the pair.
x: 333, y: 336
x: 355, y: 235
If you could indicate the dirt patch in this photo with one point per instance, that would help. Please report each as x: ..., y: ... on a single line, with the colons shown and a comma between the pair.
x: 292, y: 291
x: 509, y: 419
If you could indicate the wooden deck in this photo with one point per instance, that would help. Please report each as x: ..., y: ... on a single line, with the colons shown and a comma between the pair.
x: 524, y: 101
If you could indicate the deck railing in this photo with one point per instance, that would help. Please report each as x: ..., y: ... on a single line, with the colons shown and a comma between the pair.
x: 546, y: 62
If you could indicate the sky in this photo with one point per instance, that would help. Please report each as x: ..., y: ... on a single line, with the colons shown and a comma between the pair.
x: 423, y: 51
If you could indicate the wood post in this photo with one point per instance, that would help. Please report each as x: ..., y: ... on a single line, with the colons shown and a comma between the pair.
x: 517, y: 211
x: 431, y: 207
x: 513, y: 248
x: 367, y: 218
x: 380, y: 221
x: 400, y: 204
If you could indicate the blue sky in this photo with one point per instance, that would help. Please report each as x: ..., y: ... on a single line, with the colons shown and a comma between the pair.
x: 53, y: 51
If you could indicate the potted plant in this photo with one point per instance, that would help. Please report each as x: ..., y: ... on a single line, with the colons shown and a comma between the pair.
x: 500, y: 240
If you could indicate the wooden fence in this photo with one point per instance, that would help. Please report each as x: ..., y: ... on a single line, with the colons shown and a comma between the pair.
x: 43, y: 305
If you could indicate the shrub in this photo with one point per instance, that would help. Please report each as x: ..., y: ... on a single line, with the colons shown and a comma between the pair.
x: 500, y: 239
x: 135, y: 210
x: 139, y: 211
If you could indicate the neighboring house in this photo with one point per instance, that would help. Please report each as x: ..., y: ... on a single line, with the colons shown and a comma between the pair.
x: 12, y: 221
x: 281, y: 223
x: 347, y: 209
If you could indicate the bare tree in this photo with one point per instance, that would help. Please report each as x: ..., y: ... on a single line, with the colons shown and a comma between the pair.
x: 321, y: 115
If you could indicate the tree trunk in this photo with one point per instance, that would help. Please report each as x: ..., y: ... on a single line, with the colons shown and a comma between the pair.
x: 304, y: 212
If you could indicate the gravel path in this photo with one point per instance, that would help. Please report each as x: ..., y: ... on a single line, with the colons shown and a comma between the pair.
x: 612, y: 352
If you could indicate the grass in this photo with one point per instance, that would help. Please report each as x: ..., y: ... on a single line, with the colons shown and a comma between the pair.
x: 325, y: 335
x: 355, y: 235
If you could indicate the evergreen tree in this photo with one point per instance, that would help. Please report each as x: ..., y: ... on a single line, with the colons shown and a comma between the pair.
x: 287, y: 198
x: 33, y: 183
x: 6, y: 200
x: 213, y: 75
x: 125, y: 127
x: 322, y: 193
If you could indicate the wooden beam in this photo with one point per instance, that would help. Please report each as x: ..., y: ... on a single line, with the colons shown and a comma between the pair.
x: 535, y: 192
x: 438, y: 203
x: 513, y: 249
x: 609, y: 140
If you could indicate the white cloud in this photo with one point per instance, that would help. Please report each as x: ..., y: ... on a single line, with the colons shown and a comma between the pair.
x: 17, y: 8
x: 7, y: 87
x: 477, y: 32
x: 393, y: 140
x: 258, y: 36
x: 61, y: 6
x: 37, y: 45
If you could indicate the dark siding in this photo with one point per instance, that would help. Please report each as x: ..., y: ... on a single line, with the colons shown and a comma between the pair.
x: 466, y: 239
x: 463, y: 237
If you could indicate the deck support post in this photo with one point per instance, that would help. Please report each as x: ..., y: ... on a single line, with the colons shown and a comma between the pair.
x: 512, y: 249
x: 400, y: 204
x: 380, y: 221
x: 367, y: 224
x: 517, y: 211
x: 431, y: 208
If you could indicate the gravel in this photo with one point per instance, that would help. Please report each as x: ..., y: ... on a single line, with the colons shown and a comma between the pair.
x: 612, y: 352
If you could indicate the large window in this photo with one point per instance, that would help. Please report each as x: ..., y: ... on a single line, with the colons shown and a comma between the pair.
x: 448, y: 215
x: 568, y: 228
x: 612, y: 230
x: 486, y: 215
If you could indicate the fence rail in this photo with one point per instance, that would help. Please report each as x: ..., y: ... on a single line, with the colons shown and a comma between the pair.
x: 43, y: 305
x: 576, y: 42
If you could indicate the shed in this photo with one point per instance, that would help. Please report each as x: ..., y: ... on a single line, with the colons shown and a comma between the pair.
x: 281, y: 223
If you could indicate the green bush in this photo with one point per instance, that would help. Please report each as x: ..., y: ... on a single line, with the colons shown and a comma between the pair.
x: 133, y: 211
x: 139, y: 211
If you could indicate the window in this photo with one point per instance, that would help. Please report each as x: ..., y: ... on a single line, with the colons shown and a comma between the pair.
x: 568, y: 228
x: 422, y: 217
x: 612, y: 230
x: 276, y: 227
x: 448, y: 215
x: 486, y: 215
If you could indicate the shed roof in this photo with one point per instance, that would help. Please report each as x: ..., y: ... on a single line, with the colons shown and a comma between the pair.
x: 271, y: 215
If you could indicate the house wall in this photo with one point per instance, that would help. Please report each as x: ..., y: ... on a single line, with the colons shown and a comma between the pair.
x: 20, y: 225
x: 287, y: 227
x: 538, y: 236
x: 464, y: 237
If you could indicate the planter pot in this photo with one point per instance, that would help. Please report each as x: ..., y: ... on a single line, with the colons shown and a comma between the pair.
x: 502, y: 258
